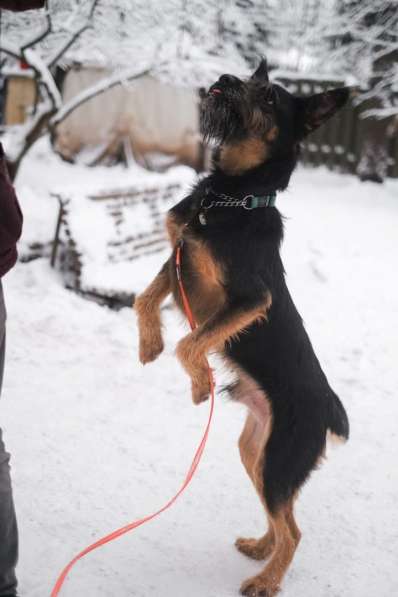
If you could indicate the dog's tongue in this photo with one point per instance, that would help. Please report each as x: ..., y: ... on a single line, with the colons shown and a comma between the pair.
x: 215, y: 91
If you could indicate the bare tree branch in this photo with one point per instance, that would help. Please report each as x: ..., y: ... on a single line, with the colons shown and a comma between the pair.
x: 41, y: 35
x: 11, y: 51
x: 59, y: 52
x: 65, y: 47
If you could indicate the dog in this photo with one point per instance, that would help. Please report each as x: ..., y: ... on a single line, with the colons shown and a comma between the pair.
x: 234, y: 279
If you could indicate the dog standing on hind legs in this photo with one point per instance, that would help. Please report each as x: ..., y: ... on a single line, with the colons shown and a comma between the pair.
x: 234, y: 279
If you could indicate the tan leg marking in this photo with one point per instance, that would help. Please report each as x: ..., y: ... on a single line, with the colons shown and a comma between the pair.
x: 251, y: 442
x: 212, y: 335
x: 267, y: 583
x: 286, y: 539
x: 291, y: 521
x: 208, y: 294
x: 147, y: 306
x: 283, y: 536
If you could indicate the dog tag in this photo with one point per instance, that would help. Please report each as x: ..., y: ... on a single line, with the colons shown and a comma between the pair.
x: 202, y: 218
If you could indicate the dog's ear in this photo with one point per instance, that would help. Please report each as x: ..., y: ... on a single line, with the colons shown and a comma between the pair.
x: 314, y: 110
x: 261, y: 72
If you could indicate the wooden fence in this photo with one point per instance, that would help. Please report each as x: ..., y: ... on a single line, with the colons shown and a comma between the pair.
x: 338, y: 143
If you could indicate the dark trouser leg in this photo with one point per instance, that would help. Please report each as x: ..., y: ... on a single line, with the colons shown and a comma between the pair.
x: 8, y: 523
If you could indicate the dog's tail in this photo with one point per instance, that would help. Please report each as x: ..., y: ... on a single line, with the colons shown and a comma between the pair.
x: 338, y: 421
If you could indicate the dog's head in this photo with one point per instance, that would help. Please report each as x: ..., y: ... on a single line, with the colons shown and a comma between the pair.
x: 235, y: 111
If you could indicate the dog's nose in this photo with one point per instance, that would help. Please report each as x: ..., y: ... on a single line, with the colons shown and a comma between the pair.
x: 228, y: 80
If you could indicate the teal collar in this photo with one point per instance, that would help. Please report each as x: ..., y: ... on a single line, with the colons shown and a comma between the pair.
x: 213, y: 199
x: 261, y: 201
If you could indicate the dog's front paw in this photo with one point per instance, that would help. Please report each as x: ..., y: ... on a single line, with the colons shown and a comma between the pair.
x: 149, y: 330
x: 200, y: 391
x: 196, y: 366
x: 185, y: 352
x: 258, y: 586
x: 150, y: 348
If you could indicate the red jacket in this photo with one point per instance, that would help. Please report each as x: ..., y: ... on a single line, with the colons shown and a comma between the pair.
x: 10, y: 212
x: 10, y: 219
x: 21, y: 5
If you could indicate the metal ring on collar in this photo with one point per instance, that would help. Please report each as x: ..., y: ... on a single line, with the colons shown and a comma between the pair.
x: 202, y: 204
x: 244, y: 202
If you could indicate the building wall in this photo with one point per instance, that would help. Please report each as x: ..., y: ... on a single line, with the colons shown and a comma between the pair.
x: 154, y: 116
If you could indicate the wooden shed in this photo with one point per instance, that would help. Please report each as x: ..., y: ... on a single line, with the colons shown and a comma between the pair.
x: 19, y: 99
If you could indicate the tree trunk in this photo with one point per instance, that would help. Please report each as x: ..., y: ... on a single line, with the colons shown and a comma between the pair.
x: 373, y: 161
x: 30, y: 139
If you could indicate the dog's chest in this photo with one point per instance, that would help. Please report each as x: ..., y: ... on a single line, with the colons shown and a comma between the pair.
x: 203, y: 278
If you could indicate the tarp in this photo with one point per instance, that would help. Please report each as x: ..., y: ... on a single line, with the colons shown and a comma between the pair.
x: 155, y: 116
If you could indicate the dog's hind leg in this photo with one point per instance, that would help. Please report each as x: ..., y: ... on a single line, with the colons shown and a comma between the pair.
x: 250, y: 442
x: 147, y: 306
x: 267, y: 583
x: 286, y: 539
x: 291, y: 521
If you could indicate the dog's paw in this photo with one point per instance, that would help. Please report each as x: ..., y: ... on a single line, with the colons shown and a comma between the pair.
x: 201, y: 391
x: 258, y: 586
x: 256, y: 549
x: 150, y: 348
x: 196, y: 366
x: 185, y: 352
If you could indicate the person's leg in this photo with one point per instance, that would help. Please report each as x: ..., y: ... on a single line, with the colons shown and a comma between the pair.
x: 8, y: 523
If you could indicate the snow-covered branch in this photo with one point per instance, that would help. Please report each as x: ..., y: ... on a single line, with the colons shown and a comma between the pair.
x: 381, y: 113
x: 44, y: 76
x: 74, y: 35
x: 10, y: 50
x: 66, y: 45
x: 38, y: 37
x: 363, y: 39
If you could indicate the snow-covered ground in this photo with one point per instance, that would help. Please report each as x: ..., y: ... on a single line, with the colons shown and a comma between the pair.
x: 97, y: 440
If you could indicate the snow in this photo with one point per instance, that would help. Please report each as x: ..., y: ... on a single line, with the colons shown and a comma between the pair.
x: 318, y: 77
x: 109, y: 246
x: 98, y: 440
x: 43, y: 175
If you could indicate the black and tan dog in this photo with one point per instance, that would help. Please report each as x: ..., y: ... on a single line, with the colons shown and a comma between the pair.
x: 235, y: 282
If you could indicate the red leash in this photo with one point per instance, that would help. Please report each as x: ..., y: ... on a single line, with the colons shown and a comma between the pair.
x: 192, y: 469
